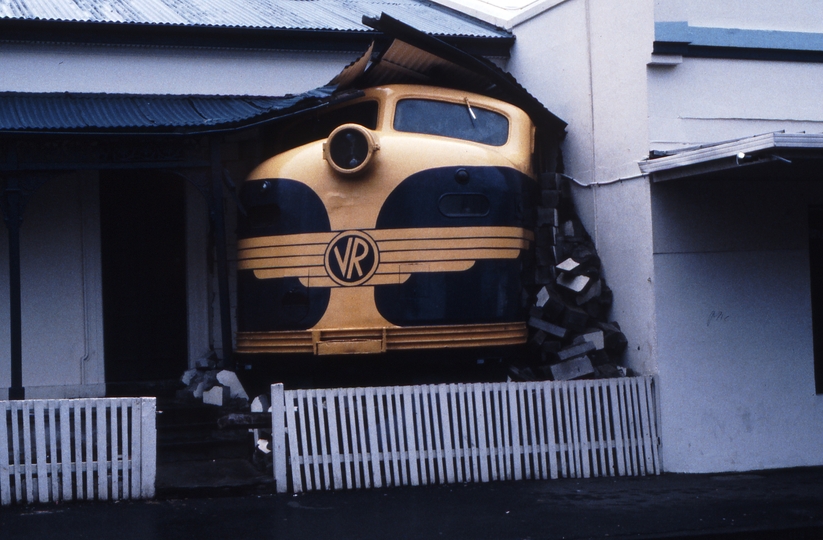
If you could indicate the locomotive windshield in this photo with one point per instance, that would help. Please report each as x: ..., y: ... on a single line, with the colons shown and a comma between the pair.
x: 455, y: 120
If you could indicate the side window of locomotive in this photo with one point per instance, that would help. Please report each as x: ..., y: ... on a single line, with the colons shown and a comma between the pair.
x: 320, y: 125
x: 455, y: 120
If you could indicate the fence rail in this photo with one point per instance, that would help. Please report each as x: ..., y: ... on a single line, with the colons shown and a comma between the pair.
x: 410, y: 435
x: 74, y: 449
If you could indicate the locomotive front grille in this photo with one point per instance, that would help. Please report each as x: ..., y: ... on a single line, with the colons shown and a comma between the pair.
x: 376, y: 340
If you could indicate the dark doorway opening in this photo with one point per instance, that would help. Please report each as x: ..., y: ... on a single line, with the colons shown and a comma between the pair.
x: 816, y: 267
x: 143, y: 224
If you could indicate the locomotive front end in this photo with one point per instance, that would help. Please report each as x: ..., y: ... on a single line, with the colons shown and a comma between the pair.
x: 398, y: 221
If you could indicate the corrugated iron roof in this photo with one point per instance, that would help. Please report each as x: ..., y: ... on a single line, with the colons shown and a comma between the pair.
x: 90, y: 112
x: 328, y: 15
x: 410, y: 57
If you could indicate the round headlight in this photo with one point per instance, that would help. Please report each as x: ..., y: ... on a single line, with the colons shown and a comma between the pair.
x: 350, y: 148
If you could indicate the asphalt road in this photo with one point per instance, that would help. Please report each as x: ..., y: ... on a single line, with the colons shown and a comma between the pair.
x: 758, y: 505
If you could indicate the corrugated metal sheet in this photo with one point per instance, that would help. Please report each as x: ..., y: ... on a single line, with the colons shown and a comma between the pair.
x: 413, y: 57
x: 340, y: 15
x: 50, y: 112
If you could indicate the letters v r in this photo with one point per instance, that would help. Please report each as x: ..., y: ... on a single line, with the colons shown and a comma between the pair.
x: 343, y: 263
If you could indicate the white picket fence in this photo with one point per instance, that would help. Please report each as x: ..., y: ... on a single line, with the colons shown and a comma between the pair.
x: 347, y: 438
x: 75, y: 449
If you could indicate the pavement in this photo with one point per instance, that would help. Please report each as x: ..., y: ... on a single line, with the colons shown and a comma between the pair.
x: 232, y: 499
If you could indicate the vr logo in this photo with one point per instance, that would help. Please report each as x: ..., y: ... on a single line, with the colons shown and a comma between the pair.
x: 351, y: 258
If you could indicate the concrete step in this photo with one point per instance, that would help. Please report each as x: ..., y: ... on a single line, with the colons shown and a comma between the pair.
x: 188, y: 431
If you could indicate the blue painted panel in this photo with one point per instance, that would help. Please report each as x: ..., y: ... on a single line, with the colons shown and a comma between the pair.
x: 678, y: 37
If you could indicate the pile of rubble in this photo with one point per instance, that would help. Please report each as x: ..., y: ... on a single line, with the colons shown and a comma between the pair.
x: 222, y: 388
x: 213, y: 386
x: 570, y: 337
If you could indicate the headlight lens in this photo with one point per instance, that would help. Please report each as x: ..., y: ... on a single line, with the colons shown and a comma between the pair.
x: 350, y: 148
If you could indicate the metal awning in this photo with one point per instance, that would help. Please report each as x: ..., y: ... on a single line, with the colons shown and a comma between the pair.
x: 759, y: 149
x: 114, y: 113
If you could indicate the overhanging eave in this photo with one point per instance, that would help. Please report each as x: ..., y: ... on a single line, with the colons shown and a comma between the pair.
x: 759, y: 149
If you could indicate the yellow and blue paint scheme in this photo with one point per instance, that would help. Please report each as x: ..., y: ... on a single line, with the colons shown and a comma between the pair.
x: 405, y: 227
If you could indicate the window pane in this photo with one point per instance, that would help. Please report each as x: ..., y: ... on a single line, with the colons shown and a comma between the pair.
x: 451, y: 120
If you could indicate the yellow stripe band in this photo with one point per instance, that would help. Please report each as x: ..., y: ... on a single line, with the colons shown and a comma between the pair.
x: 398, y: 253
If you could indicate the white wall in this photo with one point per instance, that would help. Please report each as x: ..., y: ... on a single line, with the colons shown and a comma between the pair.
x: 61, y: 294
x: 586, y: 61
x: 711, y: 100
x: 736, y: 365
x: 163, y: 70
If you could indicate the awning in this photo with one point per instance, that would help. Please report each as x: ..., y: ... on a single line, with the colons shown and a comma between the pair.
x: 86, y: 112
x: 768, y: 148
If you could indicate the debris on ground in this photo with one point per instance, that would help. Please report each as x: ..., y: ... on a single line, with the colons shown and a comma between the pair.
x: 570, y: 336
x: 219, y: 387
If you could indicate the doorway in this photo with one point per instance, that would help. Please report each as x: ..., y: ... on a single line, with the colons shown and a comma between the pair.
x: 143, y: 257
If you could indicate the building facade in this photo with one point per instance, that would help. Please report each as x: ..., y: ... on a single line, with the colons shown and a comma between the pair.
x: 708, y: 233
x: 124, y: 133
x: 693, y: 149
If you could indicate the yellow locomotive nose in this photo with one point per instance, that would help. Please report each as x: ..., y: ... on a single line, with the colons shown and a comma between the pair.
x: 350, y: 149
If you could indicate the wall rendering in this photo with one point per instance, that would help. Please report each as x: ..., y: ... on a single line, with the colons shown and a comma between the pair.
x: 736, y: 365
x: 164, y: 70
x: 61, y: 297
x: 586, y: 61
x: 711, y: 100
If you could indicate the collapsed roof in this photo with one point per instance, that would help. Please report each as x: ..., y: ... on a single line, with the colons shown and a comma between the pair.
x: 402, y: 55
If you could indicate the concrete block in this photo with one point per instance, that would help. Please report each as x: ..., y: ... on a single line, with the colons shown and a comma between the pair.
x: 573, y: 283
x: 572, y: 369
x: 593, y: 292
x: 575, y: 319
x: 542, y: 297
x: 217, y: 395
x: 188, y: 376
x: 550, y: 199
x: 230, y: 380
x: 261, y: 404
x: 569, y: 265
x: 551, y: 304
x: 207, y: 362
x: 547, y: 327
x: 547, y: 216
x: 575, y: 350
x: 593, y: 336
